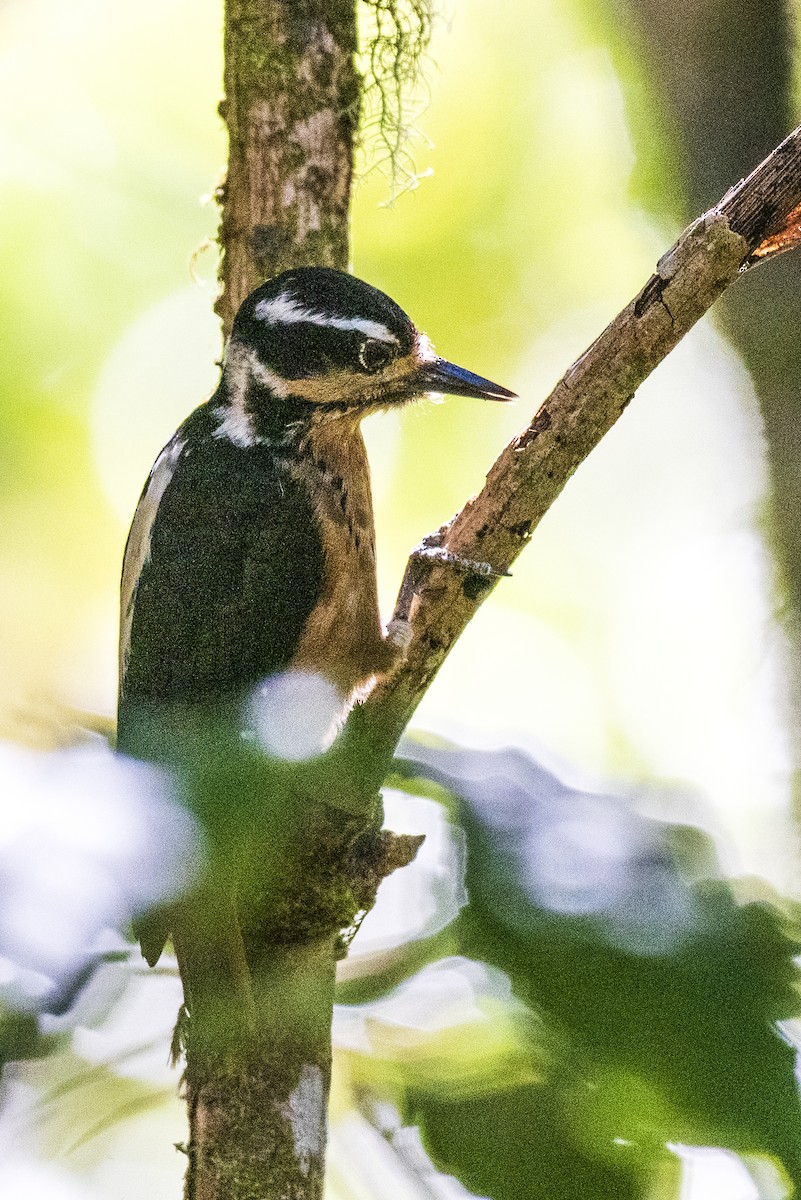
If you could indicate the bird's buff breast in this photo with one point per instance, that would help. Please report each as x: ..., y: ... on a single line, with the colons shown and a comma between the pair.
x: 343, y: 638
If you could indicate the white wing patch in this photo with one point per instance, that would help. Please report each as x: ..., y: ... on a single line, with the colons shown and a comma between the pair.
x: 137, y: 549
x: 285, y: 310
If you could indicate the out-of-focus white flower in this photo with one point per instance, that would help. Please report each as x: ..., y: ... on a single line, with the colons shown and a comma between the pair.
x: 87, y: 838
x: 295, y: 715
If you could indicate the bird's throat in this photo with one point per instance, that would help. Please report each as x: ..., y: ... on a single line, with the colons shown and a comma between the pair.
x: 343, y: 637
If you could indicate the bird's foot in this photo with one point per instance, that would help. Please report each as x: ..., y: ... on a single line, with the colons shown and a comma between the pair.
x: 470, y: 565
x: 431, y: 549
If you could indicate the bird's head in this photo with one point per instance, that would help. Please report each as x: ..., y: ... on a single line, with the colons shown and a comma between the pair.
x: 317, y: 341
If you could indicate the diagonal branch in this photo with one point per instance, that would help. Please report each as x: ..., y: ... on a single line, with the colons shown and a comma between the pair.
x: 755, y: 220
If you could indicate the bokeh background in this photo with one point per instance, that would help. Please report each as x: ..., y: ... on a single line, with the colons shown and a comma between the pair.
x: 646, y: 642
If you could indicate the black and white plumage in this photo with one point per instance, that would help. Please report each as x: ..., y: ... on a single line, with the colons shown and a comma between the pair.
x: 252, y: 547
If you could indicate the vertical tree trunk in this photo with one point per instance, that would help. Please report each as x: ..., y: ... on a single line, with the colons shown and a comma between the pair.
x: 258, y: 1065
x: 258, y: 1097
x: 291, y: 106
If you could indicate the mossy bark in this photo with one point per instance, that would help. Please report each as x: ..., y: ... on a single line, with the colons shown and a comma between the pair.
x: 291, y: 106
x: 257, y: 1103
x: 257, y: 944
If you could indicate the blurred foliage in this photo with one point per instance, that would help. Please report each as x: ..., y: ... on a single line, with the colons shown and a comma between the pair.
x: 650, y: 996
x: 607, y: 995
x: 21, y: 1038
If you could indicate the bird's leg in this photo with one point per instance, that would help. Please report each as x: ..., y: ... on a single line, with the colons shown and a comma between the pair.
x: 399, y: 629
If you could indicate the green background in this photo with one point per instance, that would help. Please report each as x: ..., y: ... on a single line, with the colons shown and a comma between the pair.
x: 637, y: 640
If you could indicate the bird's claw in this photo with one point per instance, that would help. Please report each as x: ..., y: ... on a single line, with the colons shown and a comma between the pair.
x: 440, y: 554
x: 431, y: 549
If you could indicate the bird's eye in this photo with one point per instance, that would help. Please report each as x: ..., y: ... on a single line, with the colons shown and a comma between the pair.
x: 374, y: 355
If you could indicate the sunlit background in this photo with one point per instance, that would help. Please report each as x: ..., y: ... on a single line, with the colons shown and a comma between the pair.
x: 635, y: 649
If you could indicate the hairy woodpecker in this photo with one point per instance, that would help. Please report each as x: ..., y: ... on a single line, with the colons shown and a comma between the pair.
x: 252, y: 546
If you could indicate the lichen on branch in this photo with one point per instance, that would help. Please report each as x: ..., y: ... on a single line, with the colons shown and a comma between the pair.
x: 395, y: 36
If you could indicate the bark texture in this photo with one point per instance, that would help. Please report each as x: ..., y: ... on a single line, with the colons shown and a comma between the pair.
x: 258, y: 1112
x: 291, y: 106
x: 258, y: 976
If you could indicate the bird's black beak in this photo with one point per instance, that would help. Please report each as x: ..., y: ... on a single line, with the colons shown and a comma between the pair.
x: 438, y: 375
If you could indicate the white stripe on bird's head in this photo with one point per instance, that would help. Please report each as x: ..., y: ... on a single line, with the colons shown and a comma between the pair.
x: 284, y: 309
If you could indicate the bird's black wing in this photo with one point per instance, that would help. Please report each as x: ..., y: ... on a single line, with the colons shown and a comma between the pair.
x: 223, y: 566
